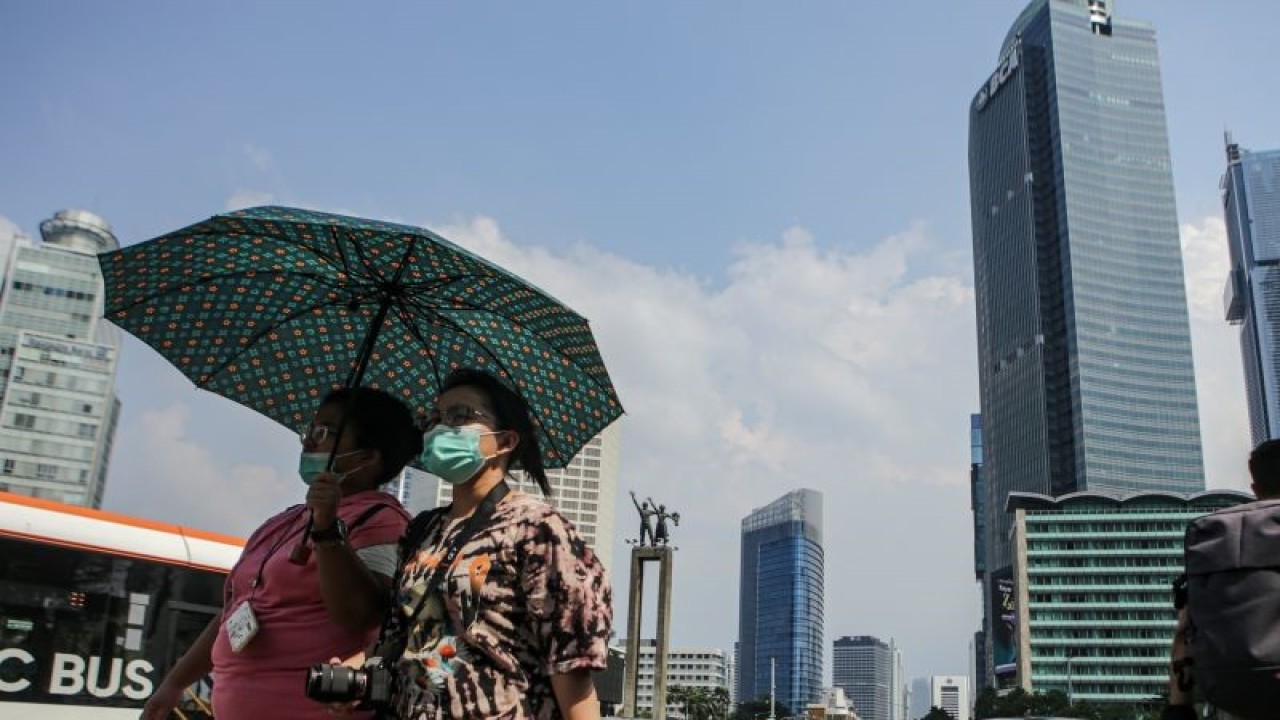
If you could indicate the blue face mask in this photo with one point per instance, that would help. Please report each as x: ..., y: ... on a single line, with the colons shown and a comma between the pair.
x: 453, y: 453
x: 311, y: 464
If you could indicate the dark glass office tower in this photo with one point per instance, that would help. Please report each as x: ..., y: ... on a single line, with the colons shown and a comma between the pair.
x: 1251, y: 205
x: 1083, y: 339
x: 780, y: 601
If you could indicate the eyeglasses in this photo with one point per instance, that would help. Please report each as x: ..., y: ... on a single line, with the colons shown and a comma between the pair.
x: 455, y: 416
x: 317, y: 434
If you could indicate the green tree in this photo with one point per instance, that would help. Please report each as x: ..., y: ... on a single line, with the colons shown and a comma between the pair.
x: 936, y: 713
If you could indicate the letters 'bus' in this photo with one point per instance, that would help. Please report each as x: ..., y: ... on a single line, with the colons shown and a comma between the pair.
x: 95, y: 607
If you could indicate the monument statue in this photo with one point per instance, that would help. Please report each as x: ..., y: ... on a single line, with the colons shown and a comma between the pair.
x: 661, y: 535
x: 646, y: 513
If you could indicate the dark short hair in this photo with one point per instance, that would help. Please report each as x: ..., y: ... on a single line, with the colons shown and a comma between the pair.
x: 379, y: 421
x: 513, y: 414
x: 1264, y: 467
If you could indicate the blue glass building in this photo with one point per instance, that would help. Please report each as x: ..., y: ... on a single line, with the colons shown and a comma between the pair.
x: 977, y: 497
x: 1251, y: 205
x: 780, y: 601
x: 978, y: 504
x: 1083, y: 338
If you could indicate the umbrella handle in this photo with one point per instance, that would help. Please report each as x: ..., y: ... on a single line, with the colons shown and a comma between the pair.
x: 302, y: 551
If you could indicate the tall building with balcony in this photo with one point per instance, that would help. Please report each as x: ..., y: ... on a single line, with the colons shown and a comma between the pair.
x: 1084, y: 343
x: 585, y: 491
x: 58, y: 405
x: 1093, y: 616
x: 780, y: 601
x: 869, y: 670
x: 1251, y: 207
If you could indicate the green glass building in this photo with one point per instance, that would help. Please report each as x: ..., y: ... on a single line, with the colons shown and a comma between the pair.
x: 1093, y: 613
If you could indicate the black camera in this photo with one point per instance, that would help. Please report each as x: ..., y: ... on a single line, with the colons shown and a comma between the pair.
x: 371, y: 686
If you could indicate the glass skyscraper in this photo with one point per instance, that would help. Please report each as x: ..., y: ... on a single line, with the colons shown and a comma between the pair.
x: 1251, y: 204
x: 1083, y: 338
x: 780, y: 601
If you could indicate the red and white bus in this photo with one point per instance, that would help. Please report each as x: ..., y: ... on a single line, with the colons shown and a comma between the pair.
x: 95, y: 608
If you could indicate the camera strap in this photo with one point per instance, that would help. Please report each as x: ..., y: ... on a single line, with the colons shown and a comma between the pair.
x: 415, y: 536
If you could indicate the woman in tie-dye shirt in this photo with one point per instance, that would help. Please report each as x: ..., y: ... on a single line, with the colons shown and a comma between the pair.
x: 521, y: 617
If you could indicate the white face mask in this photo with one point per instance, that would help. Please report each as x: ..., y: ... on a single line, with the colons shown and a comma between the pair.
x: 311, y: 464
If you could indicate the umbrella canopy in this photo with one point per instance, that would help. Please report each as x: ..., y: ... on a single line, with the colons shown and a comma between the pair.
x: 273, y: 307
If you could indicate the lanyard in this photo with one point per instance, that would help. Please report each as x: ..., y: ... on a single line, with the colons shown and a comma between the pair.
x: 288, y: 531
x: 474, y: 524
x: 478, y: 520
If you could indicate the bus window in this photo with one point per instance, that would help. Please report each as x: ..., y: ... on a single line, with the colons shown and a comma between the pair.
x: 80, y: 627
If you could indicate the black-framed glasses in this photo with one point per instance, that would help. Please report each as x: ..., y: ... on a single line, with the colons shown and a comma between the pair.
x: 317, y: 434
x: 455, y: 416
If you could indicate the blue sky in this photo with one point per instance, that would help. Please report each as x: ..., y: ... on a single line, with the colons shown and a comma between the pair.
x: 762, y: 207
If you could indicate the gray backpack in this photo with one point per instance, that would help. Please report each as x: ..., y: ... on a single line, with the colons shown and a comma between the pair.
x: 1233, y: 604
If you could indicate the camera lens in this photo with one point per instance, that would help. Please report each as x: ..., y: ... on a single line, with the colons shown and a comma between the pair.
x: 335, y: 683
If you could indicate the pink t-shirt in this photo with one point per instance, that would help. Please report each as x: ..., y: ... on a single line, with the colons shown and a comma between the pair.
x: 267, y: 677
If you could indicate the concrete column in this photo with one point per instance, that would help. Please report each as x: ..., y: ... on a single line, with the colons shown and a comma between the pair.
x: 664, y: 557
x: 631, y: 677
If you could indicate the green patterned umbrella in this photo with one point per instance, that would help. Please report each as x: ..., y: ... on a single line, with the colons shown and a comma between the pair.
x: 272, y: 307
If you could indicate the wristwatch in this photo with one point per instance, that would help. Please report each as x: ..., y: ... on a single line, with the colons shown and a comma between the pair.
x: 335, y: 534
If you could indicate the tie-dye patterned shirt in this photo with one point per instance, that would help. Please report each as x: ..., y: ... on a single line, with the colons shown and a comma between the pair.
x: 526, y: 598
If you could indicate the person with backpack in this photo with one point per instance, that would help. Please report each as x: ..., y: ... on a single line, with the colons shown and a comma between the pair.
x: 1227, y: 641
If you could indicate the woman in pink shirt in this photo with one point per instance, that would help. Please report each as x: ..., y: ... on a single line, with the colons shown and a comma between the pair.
x: 287, y: 607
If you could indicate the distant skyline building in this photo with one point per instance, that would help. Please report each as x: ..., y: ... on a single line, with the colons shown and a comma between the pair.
x: 919, y: 697
x: 833, y: 705
x: 586, y: 491
x: 950, y: 693
x: 1092, y: 615
x: 58, y: 404
x: 1084, y: 345
x: 694, y: 667
x: 1251, y: 207
x: 869, y: 670
x: 780, y: 601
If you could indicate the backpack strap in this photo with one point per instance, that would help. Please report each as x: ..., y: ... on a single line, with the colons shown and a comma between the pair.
x: 367, y: 515
x: 419, y: 527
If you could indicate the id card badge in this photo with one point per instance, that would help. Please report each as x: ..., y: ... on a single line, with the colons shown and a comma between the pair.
x: 241, y: 626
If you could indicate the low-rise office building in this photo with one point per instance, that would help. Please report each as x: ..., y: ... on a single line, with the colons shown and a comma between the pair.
x: 1092, y: 576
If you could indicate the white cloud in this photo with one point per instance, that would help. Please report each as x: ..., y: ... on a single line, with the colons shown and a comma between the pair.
x: 241, y: 198
x: 260, y: 158
x: 159, y: 471
x: 822, y: 365
x: 1224, y: 416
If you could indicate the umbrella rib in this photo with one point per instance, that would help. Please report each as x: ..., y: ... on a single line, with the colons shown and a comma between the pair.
x: 418, y: 303
x: 262, y: 333
x: 406, y: 318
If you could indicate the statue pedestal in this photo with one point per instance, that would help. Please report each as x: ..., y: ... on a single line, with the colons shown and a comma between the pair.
x: 661, y: 554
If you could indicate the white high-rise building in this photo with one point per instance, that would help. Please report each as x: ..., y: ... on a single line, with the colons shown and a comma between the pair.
x: 586, y: 491
x: 692, y: 667
x: 58, y: 406
x: 898, y: 685
x: 951, y: 693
